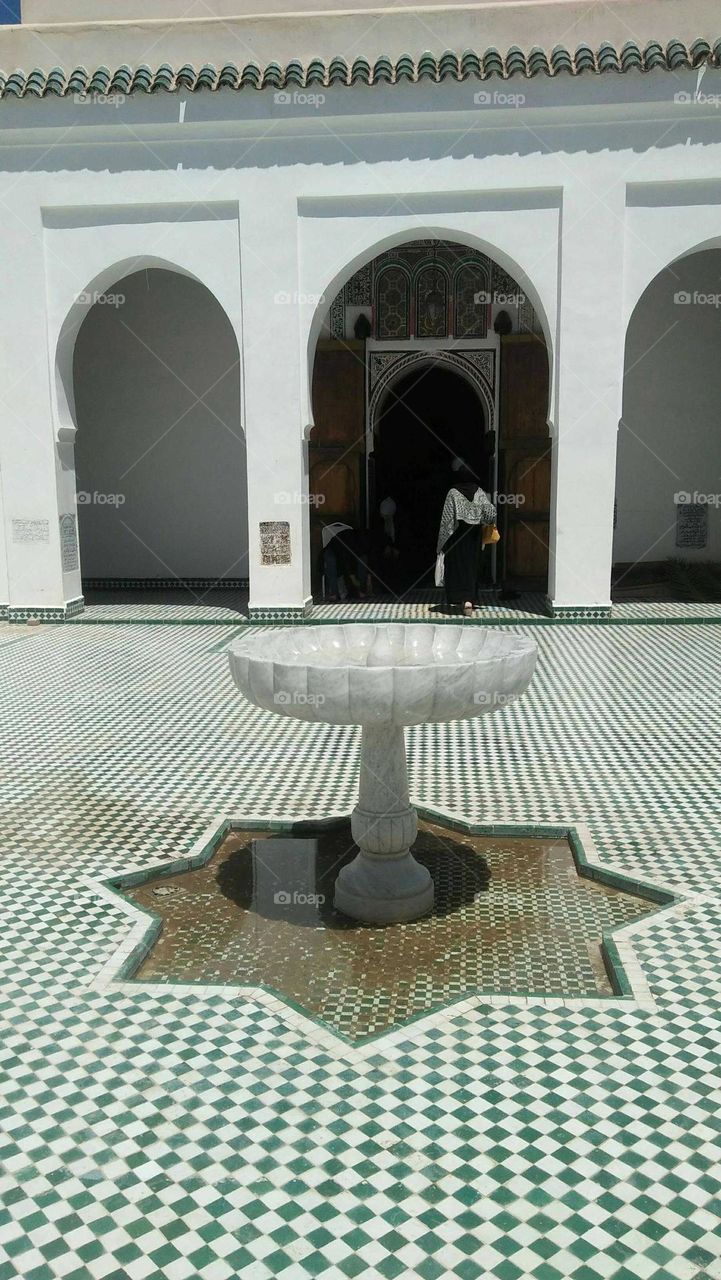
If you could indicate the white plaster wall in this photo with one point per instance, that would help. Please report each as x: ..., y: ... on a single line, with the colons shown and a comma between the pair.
x: 257, y: 201
x: 111, y: 32
x: 86, y: 11
x: 670, y: 435
x: 160, y: 453
x: 4, y: 583
x: 590, y: 353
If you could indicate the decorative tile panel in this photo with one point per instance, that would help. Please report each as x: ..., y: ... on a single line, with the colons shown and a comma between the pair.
x: 274, y: 542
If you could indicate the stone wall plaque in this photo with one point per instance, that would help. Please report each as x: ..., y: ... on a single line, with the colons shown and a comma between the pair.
x: 692, y: 525
x: 274, y: 542
x: 68, y: 543
x: 24, y: 531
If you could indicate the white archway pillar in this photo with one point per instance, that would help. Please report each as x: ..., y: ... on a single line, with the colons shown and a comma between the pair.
x: 590, y: 384
x: 277, y: 453
x: 31, y: 579
x: 88, y: 249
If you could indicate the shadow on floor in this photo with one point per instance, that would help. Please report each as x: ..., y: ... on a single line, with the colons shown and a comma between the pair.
x: 667, y: 581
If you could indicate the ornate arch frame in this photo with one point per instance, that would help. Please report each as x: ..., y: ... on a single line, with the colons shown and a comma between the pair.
x: 477, y: 364
x: 477, y: 367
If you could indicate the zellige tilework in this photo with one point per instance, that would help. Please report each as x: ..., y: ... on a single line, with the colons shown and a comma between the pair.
x: 201, y: 1136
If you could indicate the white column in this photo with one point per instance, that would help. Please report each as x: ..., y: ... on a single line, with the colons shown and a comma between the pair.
x: 276, y: 450
x: 32, y: 475
x: 590, y: 386
x: 4, y: 585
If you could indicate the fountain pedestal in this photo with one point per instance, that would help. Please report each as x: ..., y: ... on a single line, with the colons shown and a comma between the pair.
x: 383, y: 677
x: 384, y: 884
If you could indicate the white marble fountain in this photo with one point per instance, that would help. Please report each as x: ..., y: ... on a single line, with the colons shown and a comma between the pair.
x: 383, y: 677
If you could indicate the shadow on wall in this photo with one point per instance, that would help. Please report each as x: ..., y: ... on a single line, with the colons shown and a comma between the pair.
x: 301, y: 131
x: 668, y: 482
x: 160, y: 453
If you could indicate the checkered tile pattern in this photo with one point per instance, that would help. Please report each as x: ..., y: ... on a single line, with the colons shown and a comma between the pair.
x: 231, y: 606
x: 200, y: 1135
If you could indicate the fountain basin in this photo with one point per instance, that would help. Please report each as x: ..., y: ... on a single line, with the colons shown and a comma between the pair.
x: 383, y: 677
x: 384, y: 673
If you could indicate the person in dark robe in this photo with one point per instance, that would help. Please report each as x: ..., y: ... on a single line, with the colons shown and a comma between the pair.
x: 465, y: 511
x: 334, y: 558
x: 387, y: 546
x: 356, y: 561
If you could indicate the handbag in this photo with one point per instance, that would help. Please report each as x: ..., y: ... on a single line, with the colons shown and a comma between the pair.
x: 489, y: 535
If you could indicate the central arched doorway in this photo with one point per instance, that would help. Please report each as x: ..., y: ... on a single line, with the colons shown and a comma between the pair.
x: 428, y: 351
x: 426, y: 418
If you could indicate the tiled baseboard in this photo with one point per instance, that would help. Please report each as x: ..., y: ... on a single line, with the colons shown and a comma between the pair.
x: 280, y: 614
x: 164, y: 584
x: 40, y: 613
x: 582, y: 612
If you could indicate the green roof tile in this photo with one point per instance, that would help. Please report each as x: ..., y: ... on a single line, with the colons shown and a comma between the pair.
x: 316, y: 72
x: 15, y: 85
x: 631, y: 57
x: 99, y: 81
x: 608, y: 59
x: 121, y: 80
x: 55, y: 83
x: 251, y: 76
x: 360, y: 71
x: 448, y: 65
x: 561, y: 60
x: 185, y: 78
x: 516, y: 62
x: 585, y: 59
x: 383, y: 70
x: 538, y: 62
x: 429, y: 69
x: 405, y: 68
x: 273, y: 76
x: 163, y: 78
x: 142, y: 80
x: 294, y: 74
x: 77, y: 81
x: 677, y: 55
x: 35, y: 84
x: 492, y: 64
x: 338, y: 71
x: 471, y: 64
x: 699, y: 52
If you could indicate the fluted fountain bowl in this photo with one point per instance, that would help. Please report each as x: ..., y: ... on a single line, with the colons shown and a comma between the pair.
x: 385, y: 673
x: 383, y: 677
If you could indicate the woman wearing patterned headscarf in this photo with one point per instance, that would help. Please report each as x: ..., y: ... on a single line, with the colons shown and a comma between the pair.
x: 466, y: 509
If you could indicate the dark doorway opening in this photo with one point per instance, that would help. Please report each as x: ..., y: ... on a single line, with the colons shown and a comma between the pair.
x: 428, y: 418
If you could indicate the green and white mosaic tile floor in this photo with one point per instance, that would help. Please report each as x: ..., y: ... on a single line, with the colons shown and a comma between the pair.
x: 209, y: 607
x: 186, y: 1133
